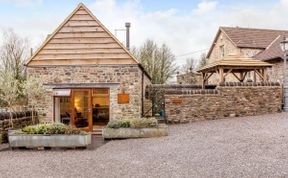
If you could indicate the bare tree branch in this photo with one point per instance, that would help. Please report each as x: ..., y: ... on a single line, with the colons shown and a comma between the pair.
x: 13, y: 54
x: 158, y: 62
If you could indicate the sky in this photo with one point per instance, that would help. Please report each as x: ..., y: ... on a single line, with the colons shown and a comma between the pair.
x: 186, y: 26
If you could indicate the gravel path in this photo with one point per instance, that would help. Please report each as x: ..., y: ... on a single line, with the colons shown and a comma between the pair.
x: 240, y: 147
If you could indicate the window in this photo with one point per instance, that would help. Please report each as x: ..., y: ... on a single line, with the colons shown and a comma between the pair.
x: 222, y: 51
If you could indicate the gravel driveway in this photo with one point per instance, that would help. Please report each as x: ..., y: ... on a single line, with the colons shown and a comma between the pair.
x: 239, y: 147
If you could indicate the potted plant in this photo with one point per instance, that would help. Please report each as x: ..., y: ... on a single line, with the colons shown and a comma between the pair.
x: 134, y: 128
x: 49, y: 135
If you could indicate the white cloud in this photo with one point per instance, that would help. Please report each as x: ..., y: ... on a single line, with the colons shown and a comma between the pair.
x: 22, y: 2
x: 183, y: 33
x: 205, y: 6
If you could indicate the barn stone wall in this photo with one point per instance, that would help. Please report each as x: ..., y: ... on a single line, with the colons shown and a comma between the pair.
x: 127, y: 77
x: 228, y: 100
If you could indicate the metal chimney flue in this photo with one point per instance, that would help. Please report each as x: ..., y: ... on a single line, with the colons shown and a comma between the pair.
x: 128, y: 25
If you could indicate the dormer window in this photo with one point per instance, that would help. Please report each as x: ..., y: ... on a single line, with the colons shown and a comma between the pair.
x: 222, y: 51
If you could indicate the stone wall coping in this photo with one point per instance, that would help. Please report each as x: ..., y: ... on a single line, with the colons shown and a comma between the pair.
x: 5, y: 115
x: 232, y: 84
x: 173, y: 86
x: 187, y: 88
x: 193, y: 92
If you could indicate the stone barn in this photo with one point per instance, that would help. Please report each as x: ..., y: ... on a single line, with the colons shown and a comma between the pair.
x: 89, y: 76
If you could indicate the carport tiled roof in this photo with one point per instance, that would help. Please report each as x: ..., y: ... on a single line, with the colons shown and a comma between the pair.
x: 236, y: 62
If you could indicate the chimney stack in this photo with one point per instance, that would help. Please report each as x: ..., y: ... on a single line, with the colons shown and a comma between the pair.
x: 31, y: 52
x: 128, y: 25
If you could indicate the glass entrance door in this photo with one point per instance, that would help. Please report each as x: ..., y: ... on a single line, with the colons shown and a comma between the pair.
x: 81, y: 109
x: 100, y: 107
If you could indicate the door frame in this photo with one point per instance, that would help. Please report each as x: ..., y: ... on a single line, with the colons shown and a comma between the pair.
x: 72, y: 117
x: 90, y: 108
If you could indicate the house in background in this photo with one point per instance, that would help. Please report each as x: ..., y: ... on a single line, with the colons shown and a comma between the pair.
x: 189, y: 78
x: 260, y: 44
x: 90, y: 77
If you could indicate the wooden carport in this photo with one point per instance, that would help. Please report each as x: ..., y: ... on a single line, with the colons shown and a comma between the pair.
x: 237, y: 66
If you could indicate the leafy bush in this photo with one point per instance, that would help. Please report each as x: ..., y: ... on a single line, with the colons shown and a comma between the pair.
x: 143, y: 123
x: 119, y: 124
x: 133, y: 123
x: 50, y: 129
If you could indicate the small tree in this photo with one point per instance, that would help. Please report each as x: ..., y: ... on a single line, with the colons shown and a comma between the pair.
x: 189, y: 71
x: 202, y: 61
x: 35, y: 92
x: 14, y: 52
x: 9, y: 91
x: 159, y: 62
x: 167, y: 65
x: 189, y: 66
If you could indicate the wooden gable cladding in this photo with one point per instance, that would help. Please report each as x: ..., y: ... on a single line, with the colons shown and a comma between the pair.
x: 81, y: 39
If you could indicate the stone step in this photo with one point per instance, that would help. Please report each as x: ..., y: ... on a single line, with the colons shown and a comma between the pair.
x: 97, y: 132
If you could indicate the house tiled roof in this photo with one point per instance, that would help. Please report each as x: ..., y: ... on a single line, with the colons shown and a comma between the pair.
x: 273, y: 51
x: 252, y: 38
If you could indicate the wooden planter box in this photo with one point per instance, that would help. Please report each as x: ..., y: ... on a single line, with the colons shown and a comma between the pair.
x: 110, y: 133
x: 52, y: 141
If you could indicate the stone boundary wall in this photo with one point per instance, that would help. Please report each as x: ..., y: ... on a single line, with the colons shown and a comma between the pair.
x: 231, y: 99
x: 20, y: 119
x: 155, y: 93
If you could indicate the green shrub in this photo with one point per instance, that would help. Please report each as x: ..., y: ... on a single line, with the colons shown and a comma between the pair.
x: 50, y: 129
x: 133, y: 123
x: 119, y: 124
x: 143, y: 123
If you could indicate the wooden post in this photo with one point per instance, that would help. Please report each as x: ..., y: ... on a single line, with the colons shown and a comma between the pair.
x: 241, y: 77
x: 254, y: 76
x: 221, y: 73
x: 262, y: 73
x: 203, y: 80
x: 265, y: 75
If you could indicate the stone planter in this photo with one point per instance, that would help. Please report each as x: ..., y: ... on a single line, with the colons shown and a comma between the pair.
x: 110, y: 133
x: 52, y: 141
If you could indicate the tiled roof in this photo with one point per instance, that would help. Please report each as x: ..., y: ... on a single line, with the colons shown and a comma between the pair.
x: 234, y: 61
x: 273, y: 51
x: 252, y: 38
x: 265, y: 39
